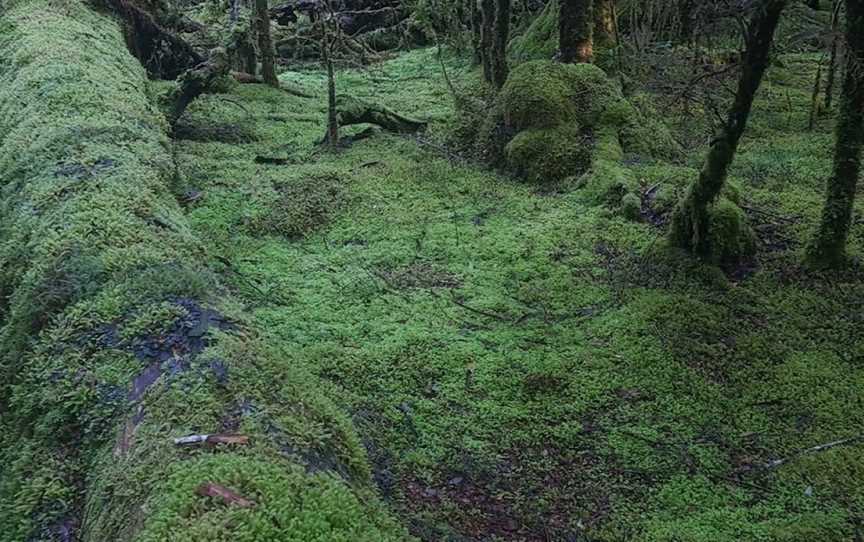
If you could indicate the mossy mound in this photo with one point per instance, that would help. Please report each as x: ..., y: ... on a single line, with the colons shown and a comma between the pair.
x: 540, y: 155
x: 552, y: 121
x: 555, y: 121
x: 543, y: 93
x: 117, y: 337
x: 732, y: 239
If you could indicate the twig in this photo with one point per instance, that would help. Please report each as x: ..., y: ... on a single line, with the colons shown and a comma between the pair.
x: 815, y: 449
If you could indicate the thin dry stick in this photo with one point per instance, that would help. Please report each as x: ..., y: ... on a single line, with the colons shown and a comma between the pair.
x: 815, y: 449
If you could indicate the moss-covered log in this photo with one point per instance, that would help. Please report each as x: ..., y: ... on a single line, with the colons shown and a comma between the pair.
x: 117, y: 337
x: 351, y: 111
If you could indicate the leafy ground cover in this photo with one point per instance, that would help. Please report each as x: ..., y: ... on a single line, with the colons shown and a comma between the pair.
x: 531, y: 366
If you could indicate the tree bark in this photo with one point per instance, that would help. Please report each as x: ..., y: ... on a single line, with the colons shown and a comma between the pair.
x: 265, y: 43
x: 604, y: 23
x: 500, y: 70
x: 690, y: 224
x: 828, y: 249
x: 685, y: 16
x: 487, y: 30
x: 332, y: 111
x: 476, y: 29
x: 832, y: 63
x: 576, y: 33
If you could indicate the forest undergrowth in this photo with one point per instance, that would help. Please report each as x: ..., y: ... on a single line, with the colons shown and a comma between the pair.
x: 524, y: 364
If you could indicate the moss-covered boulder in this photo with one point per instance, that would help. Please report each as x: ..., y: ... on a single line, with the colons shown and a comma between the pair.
x: 543, y: 93
x: 554, y: 121
x: 116, y: 335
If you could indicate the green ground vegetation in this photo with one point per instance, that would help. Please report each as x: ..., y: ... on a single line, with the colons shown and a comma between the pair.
x: 520, y: 362
x: 505, y: 362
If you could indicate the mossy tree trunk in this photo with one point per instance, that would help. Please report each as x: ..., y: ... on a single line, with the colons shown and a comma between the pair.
x: 828, y: 249
x: 835, y: 49
x: 690, y: 223
x: 487, y: 30
x: 576, y: 31
x: 686, y: 22
x: 500, y: 70
x: 476, y: 28
x: 265, y: 43
x: 163, y: 53
x: 604, y: 23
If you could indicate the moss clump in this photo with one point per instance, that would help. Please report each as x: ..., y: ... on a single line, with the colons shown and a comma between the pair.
x: 631, y: 206
x: 644, y: 133
x: 543, y: 93
x: 732, y: 239
x: 298, y: 207
x: 538, y: 95
x: 542, y: 123
x: 541, y: 155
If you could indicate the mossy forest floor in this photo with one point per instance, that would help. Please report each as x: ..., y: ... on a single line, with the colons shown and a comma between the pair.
x: 527, y: 366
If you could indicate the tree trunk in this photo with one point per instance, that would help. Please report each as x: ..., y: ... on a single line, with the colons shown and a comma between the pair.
x: 163, y: 53
x: 265, y: 43
x: 500, y: 71
x: 828, y: 249
x: 576, y: 34
x: 832, y: 63
x: 487, y: 30
x: 476, y: 29
x: 685, y: 16
x: 690, y: 224
x: 604, y: 23
x: 332, y: 138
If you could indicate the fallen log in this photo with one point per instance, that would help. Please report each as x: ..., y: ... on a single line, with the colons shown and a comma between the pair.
x: 352, y: 111
x: 117, y: 335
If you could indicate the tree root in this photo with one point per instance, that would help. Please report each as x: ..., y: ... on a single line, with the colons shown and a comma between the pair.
x: 352, y: 111
x: 194, y: 83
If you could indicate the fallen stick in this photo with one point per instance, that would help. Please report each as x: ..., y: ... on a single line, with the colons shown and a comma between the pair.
x: 211, y: 439
x: 815, y: 449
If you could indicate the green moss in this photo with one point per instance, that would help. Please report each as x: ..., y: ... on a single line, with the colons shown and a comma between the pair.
x: 631, y: 206
x: 732, y: 239
x: 540, y: 40
x: 541, y: 155
x: 297, y: 207
x: 538, y: 95
x: 115, y: 332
